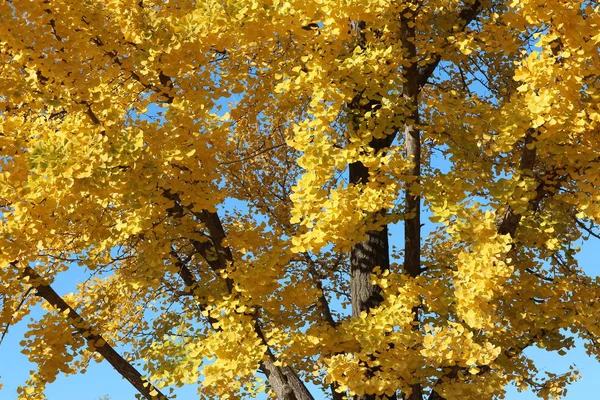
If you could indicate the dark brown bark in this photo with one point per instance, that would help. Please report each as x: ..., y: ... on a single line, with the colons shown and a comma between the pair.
x: 365, y: 256
x: 277, y: 379
x: 511, y: 220
x: 373, y: 251
x: 412, y: 145
x: 297, y: 385
x: 96, y: 342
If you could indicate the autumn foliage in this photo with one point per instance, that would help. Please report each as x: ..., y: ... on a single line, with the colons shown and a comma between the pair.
x: 359, y: 198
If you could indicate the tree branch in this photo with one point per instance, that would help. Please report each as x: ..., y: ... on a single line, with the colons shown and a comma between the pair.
x: 465, y: 17
x: 286, y: 384
x: 96, y: 342
x: 511, y: 219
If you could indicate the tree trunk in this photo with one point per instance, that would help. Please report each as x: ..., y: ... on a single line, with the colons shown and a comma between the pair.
x: 365, y: 256
x: 412, y: 146
x: 373, y: 251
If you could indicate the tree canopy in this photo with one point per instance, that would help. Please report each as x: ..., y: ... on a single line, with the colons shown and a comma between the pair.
x: 226, y: 175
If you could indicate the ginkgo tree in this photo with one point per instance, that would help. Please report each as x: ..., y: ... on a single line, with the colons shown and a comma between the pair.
x: 225, y: 174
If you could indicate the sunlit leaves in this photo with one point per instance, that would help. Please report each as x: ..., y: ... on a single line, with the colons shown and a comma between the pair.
x: 190, y: 159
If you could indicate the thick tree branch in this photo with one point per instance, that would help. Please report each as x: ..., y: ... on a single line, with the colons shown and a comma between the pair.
x: 284, y: 388
x: 412, y: 145
x: 373, y: 251
x: 511, y: 220
x: 286, y: 384
x: 96, y: 342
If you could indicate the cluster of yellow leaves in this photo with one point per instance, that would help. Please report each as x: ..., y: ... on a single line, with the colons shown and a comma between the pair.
x: 115, y: 146
x: 481, y: 271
